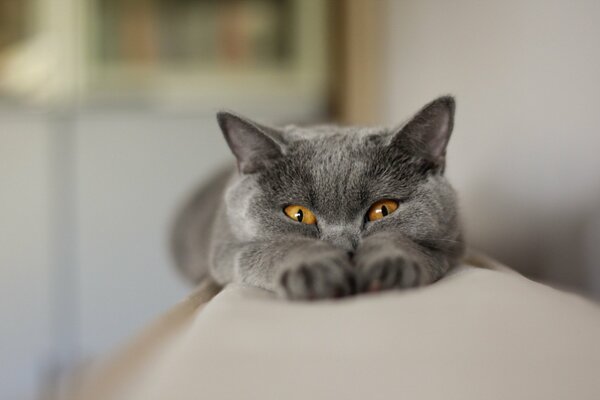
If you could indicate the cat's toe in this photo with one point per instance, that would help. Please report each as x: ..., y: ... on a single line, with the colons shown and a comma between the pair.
x: 320, y: 280
x: 388, y: 273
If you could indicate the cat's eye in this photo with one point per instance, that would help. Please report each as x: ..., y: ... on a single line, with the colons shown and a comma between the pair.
x: 381, y: 209
x: 300, y: 214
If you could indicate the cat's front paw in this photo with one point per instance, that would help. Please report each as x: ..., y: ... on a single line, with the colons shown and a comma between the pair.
x: 387, y: 270
x: 318, y: 278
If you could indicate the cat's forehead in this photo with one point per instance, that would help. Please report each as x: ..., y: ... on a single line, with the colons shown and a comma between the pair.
x: 293, y: 133
x: 333, y: 146
x: 335, y: 150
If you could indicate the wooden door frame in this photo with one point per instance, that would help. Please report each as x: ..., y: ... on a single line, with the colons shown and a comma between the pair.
x: 357, y: 31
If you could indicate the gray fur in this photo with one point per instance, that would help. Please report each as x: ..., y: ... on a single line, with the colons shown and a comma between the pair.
x: 234, y: 229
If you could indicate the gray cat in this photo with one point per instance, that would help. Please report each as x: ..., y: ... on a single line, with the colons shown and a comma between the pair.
x: 326, y: 211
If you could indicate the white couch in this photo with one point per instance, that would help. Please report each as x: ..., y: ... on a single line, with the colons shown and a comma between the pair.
x: 479, y: 333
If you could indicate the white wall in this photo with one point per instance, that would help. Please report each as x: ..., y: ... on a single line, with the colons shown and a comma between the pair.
x: 26, y: 312
x: 524, y: 155
x: 133, y: 169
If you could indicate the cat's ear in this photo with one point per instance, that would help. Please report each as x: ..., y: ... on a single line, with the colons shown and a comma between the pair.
x: 253, y: 145
x: 428, y: 132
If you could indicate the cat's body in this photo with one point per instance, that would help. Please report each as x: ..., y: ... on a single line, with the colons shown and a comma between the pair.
x: 235, y: 229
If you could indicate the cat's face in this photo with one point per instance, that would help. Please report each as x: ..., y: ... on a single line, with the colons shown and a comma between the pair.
x: 342, y: 184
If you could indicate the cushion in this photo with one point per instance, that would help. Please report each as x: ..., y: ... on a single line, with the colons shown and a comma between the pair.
x: 479, y: 333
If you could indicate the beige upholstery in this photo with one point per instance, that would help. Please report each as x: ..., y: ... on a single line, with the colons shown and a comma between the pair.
x: 477, y: 334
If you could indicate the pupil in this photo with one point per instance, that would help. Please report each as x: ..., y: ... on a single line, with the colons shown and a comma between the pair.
x: 384, y: 211
x: 299, y: 215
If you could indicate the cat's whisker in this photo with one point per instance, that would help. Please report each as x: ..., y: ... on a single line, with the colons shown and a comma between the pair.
x: 440, y: 240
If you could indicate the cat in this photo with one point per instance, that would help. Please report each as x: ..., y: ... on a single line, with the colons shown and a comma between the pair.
x: 326, y: 211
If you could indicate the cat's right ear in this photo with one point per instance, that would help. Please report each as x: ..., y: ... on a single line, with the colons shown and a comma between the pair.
x: 428, y: 132
x: 254, y: 145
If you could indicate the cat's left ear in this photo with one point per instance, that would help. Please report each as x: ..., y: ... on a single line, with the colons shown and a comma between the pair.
x: 428, y: 132
x: 254, y: 145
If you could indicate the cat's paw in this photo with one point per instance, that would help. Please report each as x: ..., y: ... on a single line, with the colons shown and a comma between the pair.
x: 387, y: 271
x: 318, y: 278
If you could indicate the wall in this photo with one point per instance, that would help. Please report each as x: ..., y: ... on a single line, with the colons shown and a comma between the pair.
x: 133, y: 169
x: 25, y: 246
x: 524, y: 155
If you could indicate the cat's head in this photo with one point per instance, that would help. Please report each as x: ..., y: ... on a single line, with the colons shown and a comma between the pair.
x: 341, y: 184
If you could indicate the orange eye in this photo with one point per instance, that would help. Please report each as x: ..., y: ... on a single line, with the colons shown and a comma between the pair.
x: 300, y: 214
x: 381, y: 209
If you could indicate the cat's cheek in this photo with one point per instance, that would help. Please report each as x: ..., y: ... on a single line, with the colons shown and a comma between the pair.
x: 241, y: 209
x: 393, y: 224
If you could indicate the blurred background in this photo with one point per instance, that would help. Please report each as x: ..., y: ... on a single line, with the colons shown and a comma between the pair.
x: 107, y: 124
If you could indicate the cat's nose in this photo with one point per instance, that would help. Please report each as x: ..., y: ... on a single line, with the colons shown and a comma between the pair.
x: 341, y: 239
